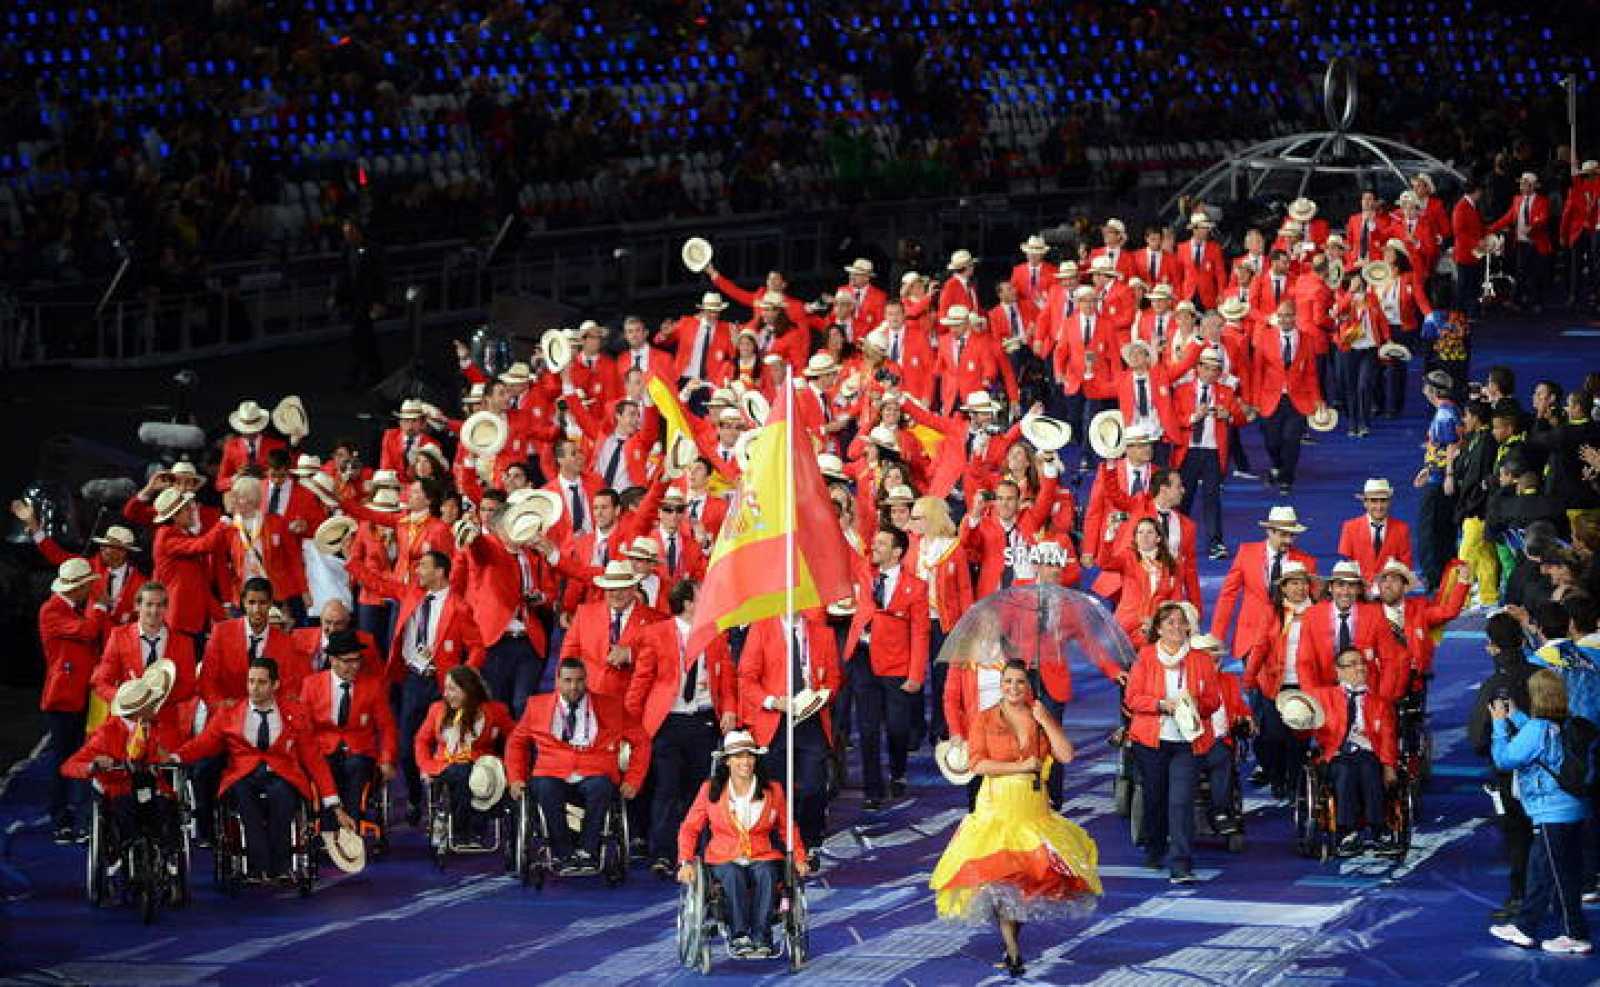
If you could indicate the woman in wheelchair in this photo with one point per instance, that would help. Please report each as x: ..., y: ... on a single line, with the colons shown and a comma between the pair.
x: 1358, y: 745
x: 745, y: 812
x: 1012, y: 859
x: 460, y: 728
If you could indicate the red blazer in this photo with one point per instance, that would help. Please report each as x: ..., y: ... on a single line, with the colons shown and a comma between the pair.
x: 1423, y: 619
x: 590, y: 483
x: 1266, y: 659
x: 122, y: 606
x: 492, y: 580
x: 1234, y: 705
x: 1355, y: 543
x: 1263, y: 299
x: 1185, y: 397
x: 1155, y: 267
x: 190, y: 566
x: 1125, y: 261
x: 1136, y: 601
x: 71, y: 638
x: 236, y: 456
x: 1377, y: 236
x: 123, y: 659
x: 1271, y: 381
x: 1147, y: 687
x: 868, y: 311
x: 657, y: 362
x: 226, y: 663
x: 1143, y: 506
x: 588, y: 638
x: 1466, y: 220
x: 658, y: 675
x: 111, y: 739
x: 280, y: 558
x: 456, y: 640
x: 955, y: 292
x: 718, y: 350
x: 1071, y: 357
x: 980, y: 364
x: 986, y: 542
x: 1160, y: 398
x: 558, y: 759
x: 293, y: 755
x: 1203, y: 280
x: 1000, y: 327
x: 1033, y: 285
x: 1247, y: 578
x: 765, y: 837
x: 1388, y: 664
x: 900, y: 630
x: 412, y: 538
x: 428, y: 746
x: 391, y: 452
x: 1108, y: 494
x: 598, y: 381
x: 370, y: 729
x: 1538, y: 222
x: 1380, y: 723
x: 763, y: 672
x: 299, y: 504
x: 308, y: 642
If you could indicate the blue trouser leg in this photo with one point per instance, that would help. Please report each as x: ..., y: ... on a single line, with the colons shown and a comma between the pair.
x: 750, y: 890
x: 1555, y: 882
x: 680, y: 759
x: 418, y: 692
x: 266, y: 826
x: 551, y: 794
x: 66, y: 794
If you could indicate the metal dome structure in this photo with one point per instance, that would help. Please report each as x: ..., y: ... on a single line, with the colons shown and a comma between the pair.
x: 1330, y: 166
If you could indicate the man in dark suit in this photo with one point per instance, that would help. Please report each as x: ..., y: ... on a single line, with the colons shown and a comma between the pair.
x: 360, y: 293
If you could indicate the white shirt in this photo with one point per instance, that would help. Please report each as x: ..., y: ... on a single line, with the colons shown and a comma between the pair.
x: 144, y: 649
x: 1358, y: 728
x: 1205, y: 396
x: 1389, y: 301
x: 989, y: 686
x: 430, y: 635
x: 747, y: 807
x: 115, y: 580
x: 891, y: 579
x: 702, y: 686
x: 702, y: 342
x: 1149, y: 418
x: 929, y: 552
x: 250, y: 726
x: 326, y: 577
x: 621, y: 479
x: 1291, y: 648
x: 1172, y: 688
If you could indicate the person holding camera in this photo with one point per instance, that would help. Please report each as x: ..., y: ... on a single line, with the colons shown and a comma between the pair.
x: 1506, y: 646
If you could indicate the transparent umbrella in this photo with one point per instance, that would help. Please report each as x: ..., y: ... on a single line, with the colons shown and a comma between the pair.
x: 1041, y: 625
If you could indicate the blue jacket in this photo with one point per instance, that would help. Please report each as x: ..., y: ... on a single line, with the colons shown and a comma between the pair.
x: 1535, y: 754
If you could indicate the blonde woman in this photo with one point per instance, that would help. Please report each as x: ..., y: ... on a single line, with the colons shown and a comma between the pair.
x: 941, y: 562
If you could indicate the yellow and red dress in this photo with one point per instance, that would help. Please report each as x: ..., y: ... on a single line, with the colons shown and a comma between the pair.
x: 1012, y: 857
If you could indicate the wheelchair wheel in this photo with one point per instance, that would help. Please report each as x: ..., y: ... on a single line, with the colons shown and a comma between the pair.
x: 533, y: 842
x: 1122, y: 796
x: 178, y: 892
x: 147, y: 874
x: 1402, y: 817
x: 94, y: 868
x: 1306, y: 833
x: 692, y: 922
x: 227, y: 861
x: 797, y: 920
x: 615, y: 867
x: 1136, y: 813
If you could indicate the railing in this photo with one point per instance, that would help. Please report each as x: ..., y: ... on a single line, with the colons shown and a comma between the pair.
x: 601, y: 271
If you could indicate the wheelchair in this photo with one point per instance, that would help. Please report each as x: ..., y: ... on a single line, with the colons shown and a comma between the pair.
x: 1315, y: 812
x: 1128, y: 796
x: 1416, y: 741
x: 374, y: 822
x: 703, y: 917
x: 231, y: 863
x: 529, y: 856
x: 443, y: 840
x: 141, y: 867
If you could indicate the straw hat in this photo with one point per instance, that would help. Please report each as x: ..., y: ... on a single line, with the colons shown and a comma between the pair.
x: 473, y: 397
x: 755, y: 406
x: 642, y: 549
x: 842, y: 608
x: 1067, y: 271
x: 556, y: 349
x: 739, y: 742
x: 1295, y: 569
x: 169, y: 502
x: 136, y: 698
x: 249, y: 418
x: 1046, y: 434
x: 289, y: 417
x: 485, y: 433
x: 1345, y: 571
x: 1136, y: 344
x: 980, y: 401
x: 1300, y: 710
x: 531, y: 516
x: 1377, y: 273
x: 517, y: 373
x: 711, y: 301
x: 1103, y: 266
x: 821, y: 365
x: 861, y: 266
x: 960, y: 259
x: 385, y: 478
x: 410, y: 409
x: 832, y: 467
x: 1106, y: 434
x: 184, y: 470
x: 464, y: 532
x: 684, y: 453
x: 346, y: 849
x: 487, y: 782
x: 1161, y: 292
x: 618, y: 575
x: 1283, y: 518
x: 884, y: 437
x: 117, y: 536
x: 900, y: 494
x: 1035, y: 246
x: 1302, y: 210
x: 953, y: 762
x: 1394, y: 351
x: 73, y: 574
x: 1211, y: 355
x: 1376, y: 487
x: 321, y: 486
x: 305, y: 465
x: 333, y: 535
x: 385, y: 500
x: 1199, y: 219
x: 1187, y: 718
x: 1394, y: 567
x: 1116, y: 224
x: 956, y: 315
x: 1137, y: 283
x: 1205, y: 642
x: 1233, y: 309
x: 696, y: 254
x: 807, y: 703
x: 1324, y: 420
x: 771, y: 299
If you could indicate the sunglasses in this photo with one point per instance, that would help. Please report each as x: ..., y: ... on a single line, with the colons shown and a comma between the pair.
x: 671, y: 510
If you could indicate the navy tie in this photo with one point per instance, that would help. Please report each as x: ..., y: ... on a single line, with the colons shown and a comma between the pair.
x: 616, y: 626
x: 1344, y: 632
x: 424, y: 617
x: 263, y: 731
x: 343, y: 716
x: 151, y: 643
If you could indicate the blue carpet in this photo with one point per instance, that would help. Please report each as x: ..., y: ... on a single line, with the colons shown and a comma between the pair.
x: 1266, y: 916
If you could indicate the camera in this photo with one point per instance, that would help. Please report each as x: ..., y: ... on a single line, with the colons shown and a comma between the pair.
x: 884, y: 375
x: 1502, y: 694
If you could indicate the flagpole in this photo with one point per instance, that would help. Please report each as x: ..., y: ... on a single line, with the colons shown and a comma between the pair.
x: 789, y: 439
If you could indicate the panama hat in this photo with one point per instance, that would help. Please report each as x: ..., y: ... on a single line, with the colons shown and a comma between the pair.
x: 1299, y: 710
x: 1103, y: 266
x: 485, y: 433
x: 1376, y: 487
x: 1187, y: 718
x: 1283, y: 518
x: 1409, y: 198
x: 617, y: 575
x: 741, y: 447
x: 807, y: 703
x: 1139, y: 435
x: 739, y: 742
x: 821, y: 365
x: 531, y: 516
x: 289, y: 417
x: 184, y: 470
x: 305, y: 465
x: 1302, y: 210
x: 1377, y: 273
x: 1035, y: 245
x: 249, y: 418
x: 900, y: 494
x: 910, y: 277
x: 1136, y: 344
x: 117, y: 536
x: 321, y: 486
x: 1205, y: 642
x: 473, y: 397
x: 1046, y: 434
x: 1106, y: 434
x: 980, y: 401
x: 642, y: 549
x: 1394, y: 351
x: 1590, y: 167
x: 884, y: 437
x: 346, y: 849
x: 1233, y: 309
x: 959, y: 260
x: 877, y: 340
x: 711, y: 301
x: 842, y: 608
x: 385, y: 500
x: 1335, y: 240
x: 487, y: 782
x: 771, y: 299
x: 517, y: 373
x: 1394, y: 567
x: 72, y: 574
x: 385, y: 478
x: 1211, y: 355
x: 696, y: 254
x: 1325, y: 419
x: 831, y: 467
x: 136, y: 698
x: 684, y: 453
x: 755, y: 406
x: 953, y: 762
x: 1067, y: 271
x: 334, y: 534
x: 1295, y: 569
x: 1161, y: 292
x: 861, y: 266
x: 464, y: 532
x: 955, y: 315
x: 1199, y: 219
x: 556, y: 348
x: 1345, y: 571
x: 169, y: 502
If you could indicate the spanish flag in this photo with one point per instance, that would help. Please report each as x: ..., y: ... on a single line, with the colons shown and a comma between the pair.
x: 672, y: 412
x: 780, y: 506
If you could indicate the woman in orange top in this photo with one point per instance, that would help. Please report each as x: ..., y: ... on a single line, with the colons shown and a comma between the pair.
x: 462, y: 727
x: 744, y: 853
x: 1013, y: 860
x: 1149, y: 578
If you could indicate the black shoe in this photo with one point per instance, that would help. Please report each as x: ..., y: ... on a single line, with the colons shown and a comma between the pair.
x: 1242, y: 474
x: 662, y: 868
x: 1182, y: 876
x: 872, y: 804
x: 1258, y: 776
x: 1012, y: 965
x: 1350, y: 845
x: 814, y: 861
x: 897, y: 787
x: 1218, y: 552
x: 65, y: 836
x: 1507, y: 911
x: 1227, y: 824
